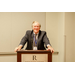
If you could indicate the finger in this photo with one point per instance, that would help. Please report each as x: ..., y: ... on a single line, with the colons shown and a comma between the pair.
x: 16, y: 49
x: 51, y: 51
x: 19, y: 49
x: 48, y: 49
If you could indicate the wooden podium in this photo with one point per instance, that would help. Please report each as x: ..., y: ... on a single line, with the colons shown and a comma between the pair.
x: 34, y: 56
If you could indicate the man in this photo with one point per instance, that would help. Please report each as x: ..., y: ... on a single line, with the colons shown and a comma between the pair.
x: 35, y: 39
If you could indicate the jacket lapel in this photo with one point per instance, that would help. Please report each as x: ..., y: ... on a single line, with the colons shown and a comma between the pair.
x: 31, y: 37
x: 38, y: 38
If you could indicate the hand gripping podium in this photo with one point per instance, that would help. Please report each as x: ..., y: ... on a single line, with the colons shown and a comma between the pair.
x: 34, y: 56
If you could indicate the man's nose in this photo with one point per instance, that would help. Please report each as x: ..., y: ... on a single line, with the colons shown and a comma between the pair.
x: 36, y: 27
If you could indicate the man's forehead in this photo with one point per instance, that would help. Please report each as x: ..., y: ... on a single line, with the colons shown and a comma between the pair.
x: 36, y: 24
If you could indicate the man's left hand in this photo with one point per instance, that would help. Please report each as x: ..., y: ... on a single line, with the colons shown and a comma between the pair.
x: 51, y: 49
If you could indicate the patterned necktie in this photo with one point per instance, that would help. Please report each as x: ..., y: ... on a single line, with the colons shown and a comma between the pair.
x: 35, y: 40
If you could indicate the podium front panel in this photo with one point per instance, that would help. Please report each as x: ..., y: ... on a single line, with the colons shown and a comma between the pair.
x: 34, y: 57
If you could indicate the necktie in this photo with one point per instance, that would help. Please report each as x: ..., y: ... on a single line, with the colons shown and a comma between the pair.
x: 35, y: 40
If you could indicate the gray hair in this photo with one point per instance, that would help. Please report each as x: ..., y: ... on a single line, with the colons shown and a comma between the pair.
x: 36, y: 22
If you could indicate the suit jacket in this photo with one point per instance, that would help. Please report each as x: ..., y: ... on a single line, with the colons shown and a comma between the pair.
x: 42, y: 39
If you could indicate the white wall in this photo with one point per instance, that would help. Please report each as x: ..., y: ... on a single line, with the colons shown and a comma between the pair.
x: 8, y: 58
x: 74, y: 38
x: 70, y: 34
x: 61, y: 31
x: 55, y: 31
x: 5, y: 32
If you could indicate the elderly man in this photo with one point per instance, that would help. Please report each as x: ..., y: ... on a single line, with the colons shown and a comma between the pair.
x: 36, y: 39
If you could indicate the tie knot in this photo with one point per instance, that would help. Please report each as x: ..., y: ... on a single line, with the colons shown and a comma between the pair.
x: 35, y: 34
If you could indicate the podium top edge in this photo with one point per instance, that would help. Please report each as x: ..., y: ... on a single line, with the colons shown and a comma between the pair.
x: 33, y: 51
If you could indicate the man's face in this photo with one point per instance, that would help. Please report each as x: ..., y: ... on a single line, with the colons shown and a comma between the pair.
x: 36, y: 28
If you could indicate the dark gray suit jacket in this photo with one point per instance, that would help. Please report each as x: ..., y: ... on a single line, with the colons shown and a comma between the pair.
x: 42, y: 39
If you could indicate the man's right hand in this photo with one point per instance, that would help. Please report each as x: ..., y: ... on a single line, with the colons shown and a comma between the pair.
x: 18, y: 48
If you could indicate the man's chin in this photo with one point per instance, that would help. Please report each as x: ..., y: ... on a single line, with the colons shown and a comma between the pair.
x: 35, y: 31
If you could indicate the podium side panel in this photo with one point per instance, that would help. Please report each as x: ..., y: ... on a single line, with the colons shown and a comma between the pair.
x: 49, y: 57
x: 18, y: 57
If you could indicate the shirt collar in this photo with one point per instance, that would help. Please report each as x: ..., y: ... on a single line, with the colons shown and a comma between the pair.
x: 37, y: 33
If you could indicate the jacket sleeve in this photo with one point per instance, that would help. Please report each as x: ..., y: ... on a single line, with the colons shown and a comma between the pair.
x: 24, y: 40
x: 46, y: 40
